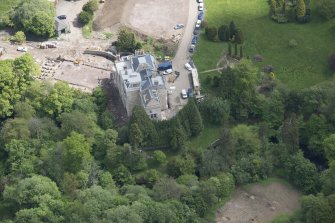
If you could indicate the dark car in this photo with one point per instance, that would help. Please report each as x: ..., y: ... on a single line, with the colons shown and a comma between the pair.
x: 201, y: 15
x: 194, y: 40
x: 196, y: 31
x: 192, y: 48
x: 61, y: 16
x: 190, y: 92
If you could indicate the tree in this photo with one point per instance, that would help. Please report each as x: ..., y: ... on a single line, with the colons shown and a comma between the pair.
x: 79, y: 122
x: 166, y: 188
x: 14, y: 129
x: 135, y: 135
x: 232, y: 29
x: 239, y: 38
x: 180, y: 165
x: 146, y: 126
x: 76, y: 152
x: 122, y: 214
x: 126, y: 41
x: 159, y: 157
x: 273, y: 6
x: 329, y: 147
x: 19, y: 37
x: 122, y: 176
x: 22, y: 159
x: 251, y: 169
x: 332, y: 62
x: 290, y: 133
x: 217, y: 110
x: 31, y: 192
x: 42, y: 25
x: 59, y: 100
x: 15, y: 76
x: 302, y: 173
x: 177, y: 135
x: 211, y: 32
x: 229, y: 49
x: 241, y: 52
x: 245, y: 140
x: 301, y: 8
x: 235, y: 49
x: 326, y: 8
x: 328, y: 179
x: 35, y: 16
x: 223, y: 33
x: 316, y: 209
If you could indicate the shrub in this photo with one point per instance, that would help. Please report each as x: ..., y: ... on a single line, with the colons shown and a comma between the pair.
x: 292, y: 43
x: 326, y: 8
x: 19, y: 37
x: 332, y: 62
x: 211, y: 32
x: 85, y: 17
x: 91, y: 6
x: 223, y: 33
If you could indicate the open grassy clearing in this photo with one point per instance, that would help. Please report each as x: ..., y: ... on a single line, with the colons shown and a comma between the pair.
x: 299, y: 67
x: 206, y: 137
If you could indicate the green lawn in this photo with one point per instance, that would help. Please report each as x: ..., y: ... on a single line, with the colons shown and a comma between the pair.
x: 299, y: 67
x: 206, y: 137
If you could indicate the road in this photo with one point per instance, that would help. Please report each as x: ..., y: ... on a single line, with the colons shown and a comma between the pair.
x: 183, y: 56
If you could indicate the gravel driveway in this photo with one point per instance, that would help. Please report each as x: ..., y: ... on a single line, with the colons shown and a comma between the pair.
x: 183, y: 56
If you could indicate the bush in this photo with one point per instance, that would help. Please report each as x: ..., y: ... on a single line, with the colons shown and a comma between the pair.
x: 292, y: 43
x: 91, y: 6
x: 326, y: 8
x: 332, y: 62
x: 19, y: 37
x: 211, y: 32
x: 85, y: 17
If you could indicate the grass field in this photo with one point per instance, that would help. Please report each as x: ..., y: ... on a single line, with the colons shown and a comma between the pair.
x: 299, y: 67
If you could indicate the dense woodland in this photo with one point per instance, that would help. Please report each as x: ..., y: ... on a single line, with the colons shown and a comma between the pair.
x: 63, y: 160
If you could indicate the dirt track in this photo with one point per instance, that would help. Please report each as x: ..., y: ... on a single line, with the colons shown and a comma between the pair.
x: 259, y: 203
x: 155, y: 18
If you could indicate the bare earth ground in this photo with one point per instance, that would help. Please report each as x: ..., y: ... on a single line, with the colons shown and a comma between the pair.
x: 155, y: 18
x: 259, y: 203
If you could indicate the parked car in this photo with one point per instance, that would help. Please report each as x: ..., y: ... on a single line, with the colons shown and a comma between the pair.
x: 200, y: 1
x: 201, y: 15
x: 194, y: 40
x: 168, y: 71
x: 179, y: 26
x: 201, y: 7
x: 190, y: 93
x: 61, y: 16
x: 183, y: 94
x: 188, y: 67
x: 192, y: 48
x: 22, y: 49
x: 196, y: 31
x: 198, y: 23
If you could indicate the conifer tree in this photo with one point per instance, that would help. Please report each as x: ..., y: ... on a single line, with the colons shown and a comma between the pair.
x: 301, y: 8
x: 232, y: 29
x: 239, y: 39
x: 241, y: 52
